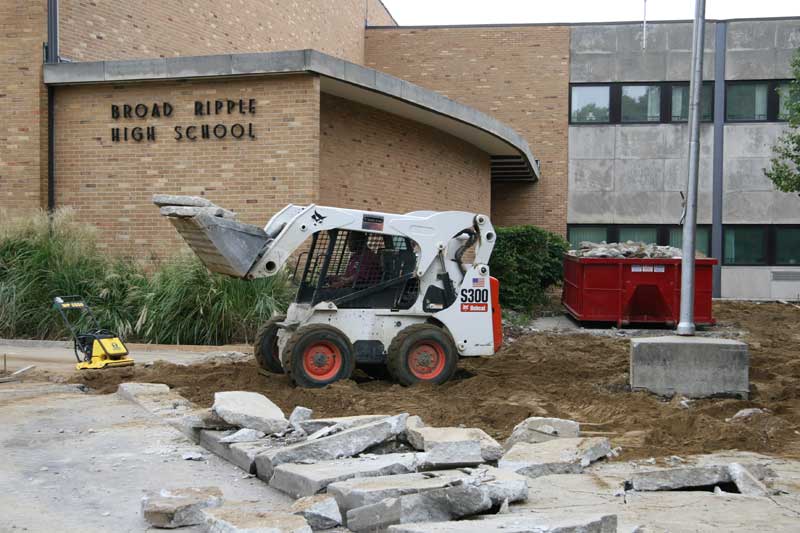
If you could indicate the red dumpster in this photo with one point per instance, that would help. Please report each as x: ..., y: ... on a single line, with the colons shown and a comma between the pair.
x: 628, y: 291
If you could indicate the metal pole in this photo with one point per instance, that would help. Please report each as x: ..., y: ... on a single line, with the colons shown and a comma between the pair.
x: 686, y: 325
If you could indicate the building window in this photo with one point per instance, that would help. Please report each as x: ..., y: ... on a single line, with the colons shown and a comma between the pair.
x: 590, y: 104
x: 787, y: 246
x: 702, y: 239
x: 680, y: 103
x: 784, y: 98
x: 638, y: 234
x: 641, y: 103
x: 746, y: 101
x: 745, y: 245
x: 578, y: 234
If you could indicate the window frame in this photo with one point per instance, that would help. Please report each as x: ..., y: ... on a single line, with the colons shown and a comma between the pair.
x: 772, y: 100
x: 773, y: 249
x: 661, y: 93
x: 769, y: 248
x: 674, y: 84
x: 610, y: 103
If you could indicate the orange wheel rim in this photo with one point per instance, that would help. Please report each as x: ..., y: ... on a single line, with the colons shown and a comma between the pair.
x: 426, y: 360
x: 322, y: 361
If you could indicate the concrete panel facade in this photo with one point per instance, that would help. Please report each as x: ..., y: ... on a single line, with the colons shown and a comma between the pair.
x: 759, y: 50
x: 761, y: 283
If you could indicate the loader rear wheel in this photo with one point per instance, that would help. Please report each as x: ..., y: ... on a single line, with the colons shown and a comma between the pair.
x: 422, y: 353
x: 318, y: 355
x: 266, y: 347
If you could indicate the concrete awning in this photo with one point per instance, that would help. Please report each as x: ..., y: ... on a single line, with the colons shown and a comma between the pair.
x: 511, y: 158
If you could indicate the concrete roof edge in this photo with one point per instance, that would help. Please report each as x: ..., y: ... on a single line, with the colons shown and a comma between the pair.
x: 294, y: 61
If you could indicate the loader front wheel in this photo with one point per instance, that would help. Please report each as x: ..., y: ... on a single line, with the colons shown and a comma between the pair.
x: 319, y: 355
x: 266, y: 347
x: 422, y: 353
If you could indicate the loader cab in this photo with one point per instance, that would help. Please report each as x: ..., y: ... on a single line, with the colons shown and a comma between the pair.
x: 358, y: 270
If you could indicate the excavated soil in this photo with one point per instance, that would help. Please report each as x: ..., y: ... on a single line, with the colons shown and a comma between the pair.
x: 578, y: 376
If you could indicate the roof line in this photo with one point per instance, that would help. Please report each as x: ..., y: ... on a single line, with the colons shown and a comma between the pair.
x: 289, y: 62
x: 606, y: 23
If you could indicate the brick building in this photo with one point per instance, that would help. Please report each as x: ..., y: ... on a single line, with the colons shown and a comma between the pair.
x: 576, y: 128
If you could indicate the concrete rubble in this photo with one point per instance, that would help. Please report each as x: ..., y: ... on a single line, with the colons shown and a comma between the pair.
x: 320, y: 511
x: 425, y: 438
x: 517, y: 523
x: 172, y: 508
x: 249, y: 410
x: 300, y: 414
x: 344, y: 422
x: 631, y: 249
x: 746, y: 478
x: 559, y: 456
x: 541, y: 429
x: 243, y: 435
x: 252, y: 518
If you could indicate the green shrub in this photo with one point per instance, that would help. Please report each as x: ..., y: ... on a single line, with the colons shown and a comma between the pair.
x: 43, y: 257
x: 527, y: 260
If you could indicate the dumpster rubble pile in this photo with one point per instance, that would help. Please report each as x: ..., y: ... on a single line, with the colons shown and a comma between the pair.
x: 629, y: 249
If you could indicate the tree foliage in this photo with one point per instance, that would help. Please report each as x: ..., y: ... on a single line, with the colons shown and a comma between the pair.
x: 784, y: 170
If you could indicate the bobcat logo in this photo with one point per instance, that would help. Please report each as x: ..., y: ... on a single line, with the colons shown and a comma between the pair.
x: 317, y: 218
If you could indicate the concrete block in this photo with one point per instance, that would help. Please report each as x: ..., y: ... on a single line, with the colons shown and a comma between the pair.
x: 639, y: 175
x: 171, y: 508
x: 451, y: 454
x: 518, y: 523
x: 137, y: 69
x: 346, y: 443
x: 448, y: 503
x: 252, y: 518
x: 542, y: 429
x: 696, y: 367
x: 241, y: 454
x: 595, y: 142
x: 249, y: 410
x: 320, y: 512
x: 307, y: 479
x: 500, y: 485
x: 132, y: 391
x: 300, y: 414
x: 344, y: 422
x: 174, y: 199
x: 747, y: 483
x: 590, y: 175
x: 559, y: 456
x: 192, y: 422
x: 679, y: 478
x: 426, y: 438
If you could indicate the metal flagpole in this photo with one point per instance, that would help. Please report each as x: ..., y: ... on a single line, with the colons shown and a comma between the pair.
x: 686, y: 325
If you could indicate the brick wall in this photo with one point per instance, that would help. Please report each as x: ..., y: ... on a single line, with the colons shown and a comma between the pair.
x: 370, y: 159
x: 23, y: 106
x: 113, y: 29
x: 110, y: 184
x: 378, y: 15
x: 520, y: 75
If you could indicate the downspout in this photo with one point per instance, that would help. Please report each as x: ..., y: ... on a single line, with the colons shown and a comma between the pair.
x: 51, y: 57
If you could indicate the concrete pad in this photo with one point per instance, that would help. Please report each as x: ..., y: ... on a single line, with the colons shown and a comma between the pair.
x: 321, y: 511
x: 171, y: 508
x: 343, y: 422
x: 253, y: 518
x: 346, y: 443
x: 425, y: 438
x: 541, y: 429
x: 560, y: 456
x: 448, y: 503
x: 249, y: 410
x: 307, y: 479
x: 696, y: 367
x: 518, y: 523
x: 500, y: 486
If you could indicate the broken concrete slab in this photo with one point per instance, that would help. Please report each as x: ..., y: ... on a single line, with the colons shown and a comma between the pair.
x: 517, y: 523
x: 498, y: 484
x: 541, y: 429
x: 171, y: 508
x: 320, y: 511
x: 345, y: 443
x: 451, y: 454
x: 299, y: 414
x: 243, y: 435
x: 307, y: 479
x: 679, y: 478
x: 249, y: 410
x: 396, y: 445
x: 447, y: 503
x: 344, y: 422
x: 559, y: 456
x: 132, y: 391
x: 241, y: 454
x: 174, y: 199
x: 745, y: 480
x: 424, y: 438
x: 252, y: 518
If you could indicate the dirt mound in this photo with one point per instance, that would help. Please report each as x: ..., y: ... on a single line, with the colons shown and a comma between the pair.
x: 582, y: 377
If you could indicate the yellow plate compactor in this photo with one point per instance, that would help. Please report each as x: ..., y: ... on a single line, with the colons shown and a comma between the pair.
x: 97, y: 347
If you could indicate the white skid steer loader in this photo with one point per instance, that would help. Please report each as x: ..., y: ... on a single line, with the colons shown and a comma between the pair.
x: 374, y: 288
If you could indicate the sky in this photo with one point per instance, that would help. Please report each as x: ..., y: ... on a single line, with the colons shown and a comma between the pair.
x: 445, y: 12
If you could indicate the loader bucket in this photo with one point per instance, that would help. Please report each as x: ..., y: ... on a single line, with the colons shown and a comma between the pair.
x: 223, y: 245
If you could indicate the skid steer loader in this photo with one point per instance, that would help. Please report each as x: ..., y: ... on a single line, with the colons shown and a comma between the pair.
x: 374, y: 288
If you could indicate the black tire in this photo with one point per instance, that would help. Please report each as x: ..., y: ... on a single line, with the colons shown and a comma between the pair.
x: 266, y: 347
x: 334, y: 361
x: 419, y: 350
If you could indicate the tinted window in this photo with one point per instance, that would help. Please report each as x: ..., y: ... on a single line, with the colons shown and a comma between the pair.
x: 680, y: 103
x: 787, y: 246
x: 590, y: 104
x: 641, y: 103
x: 746, y: 101
x: 701, y: 239
x: 645, y: 235
x: 591, y: 234
x: 745, y: 246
